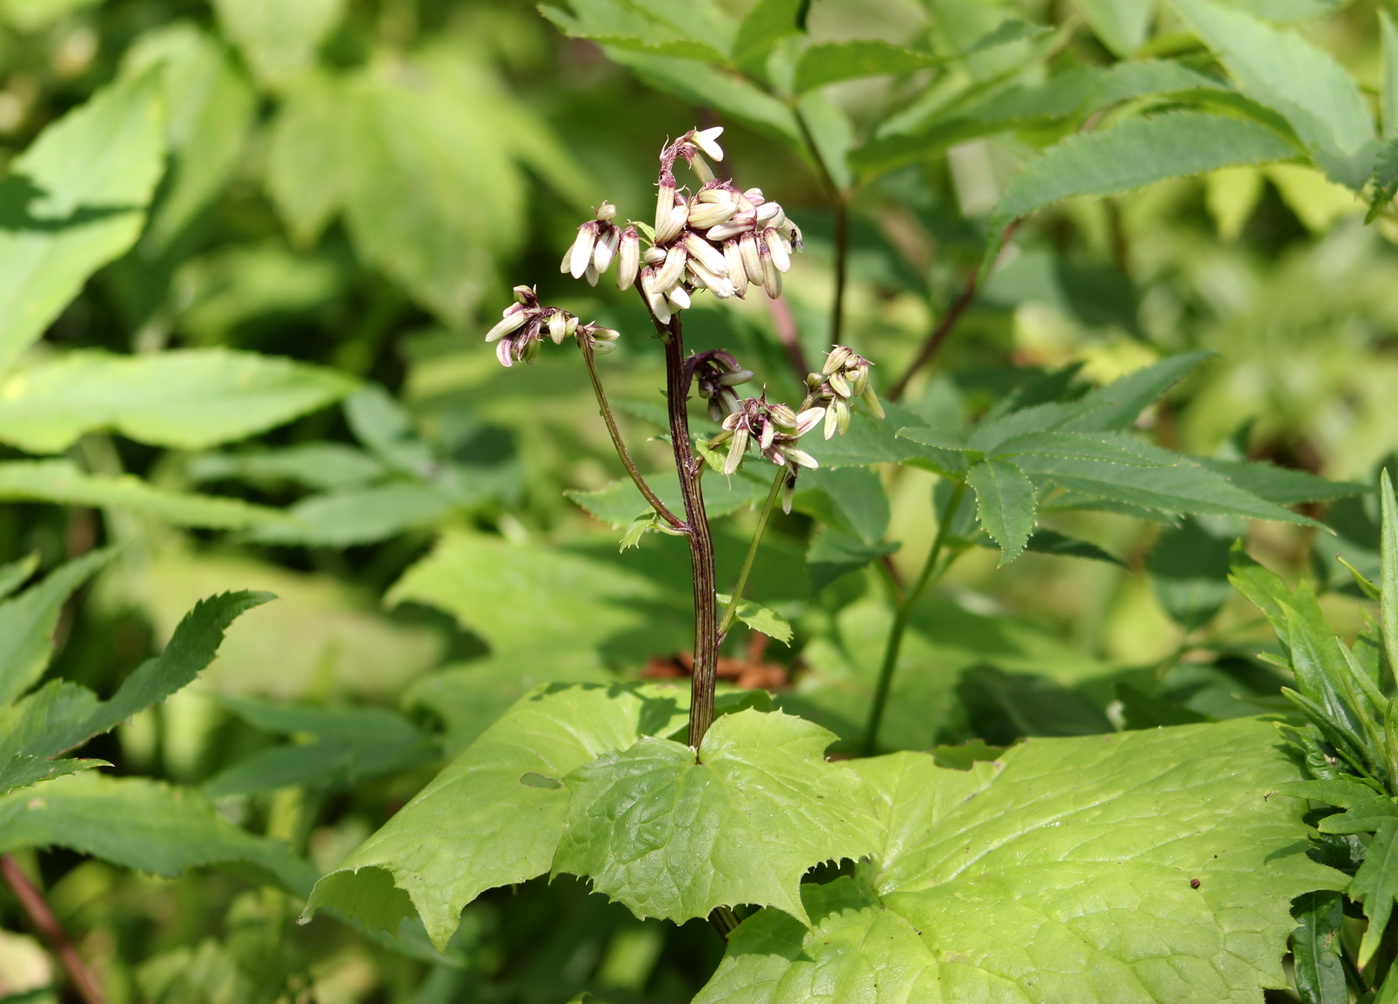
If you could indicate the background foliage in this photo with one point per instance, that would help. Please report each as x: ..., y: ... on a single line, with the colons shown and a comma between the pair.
x: 249, y: 250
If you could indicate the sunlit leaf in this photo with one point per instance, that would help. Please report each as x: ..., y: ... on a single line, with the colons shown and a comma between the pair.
x: 74, y: 201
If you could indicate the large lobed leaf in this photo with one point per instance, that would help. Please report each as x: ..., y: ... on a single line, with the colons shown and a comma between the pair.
x: 673, y: 834
x: 1143, y: 866
x: 495, y: 815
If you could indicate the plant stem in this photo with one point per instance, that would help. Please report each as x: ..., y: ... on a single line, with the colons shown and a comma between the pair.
x: 840, y: 200
x: 943, y: 327
x: 33, y: 903
x: 748, y: 559
x: 701, y: 542
x: 929, y: 573
x: 661, y: 509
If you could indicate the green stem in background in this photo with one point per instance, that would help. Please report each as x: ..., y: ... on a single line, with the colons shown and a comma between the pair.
x: 32, y: 902
x: 939, y: 333
x: 762, y: 518
x: 840, y: 202
x: 931, y: 571
x: 701, y: 542
x: 661, y: 509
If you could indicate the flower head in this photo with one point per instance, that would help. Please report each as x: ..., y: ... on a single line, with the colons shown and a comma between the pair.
x: 843, y: 377
x: 775, y: 428
x: 716, y: 373
x: 524, y: 324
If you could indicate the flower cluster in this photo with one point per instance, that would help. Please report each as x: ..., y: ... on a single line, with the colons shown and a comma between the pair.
x: 775, y: 428
x: 844, y: 377
x: 715, y: 374
x: 718, y: 238
x: 523, y: 324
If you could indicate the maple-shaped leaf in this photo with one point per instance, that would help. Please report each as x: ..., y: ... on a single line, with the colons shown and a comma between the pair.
x: 675, y: 835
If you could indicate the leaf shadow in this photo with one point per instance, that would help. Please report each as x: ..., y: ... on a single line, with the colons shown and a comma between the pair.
x: 18, y: 196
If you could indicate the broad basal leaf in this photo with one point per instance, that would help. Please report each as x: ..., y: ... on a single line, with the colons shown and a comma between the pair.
x: 1136, y: 153
x: 74, y: 201
x: 144, y: 825
x: 189, y: 399
x: 830, y: 62
x: 675, y: 835
x: 1281, y: 70
x: 496, y: 814
x: 1143, y: 866
x: 59, y: 481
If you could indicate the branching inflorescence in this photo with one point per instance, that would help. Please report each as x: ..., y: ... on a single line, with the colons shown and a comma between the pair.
x: 725, y: 241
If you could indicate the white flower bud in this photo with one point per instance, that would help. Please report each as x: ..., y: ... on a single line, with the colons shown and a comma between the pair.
x: 664, y: 198
x: 872, y: 400
x: 720, y: 285
x: 737, y: 272
x: 782, y: 415
x: 707, y: 140
x: 514, y: 318
x: 736, y: 450
x: 606, y: 212
x: 558, y: 326
x: 670, y: 227
x: 808, y: 420
x: 708, y: 255
x: 781, y: 251
x: 678, y: 297
x: 653, y: 256
x: 672, y: 270
x: 800, y: 457
x: 752, y: 257
x: 607, y: 243
x: 838, y: 384
x: 602, y: 348
x: 766, y: 212
x: 628, y: 258
x: 836, y: 360
x: 771, y: 275
x: 769, y: 435
x: 580, y: 255
x: 703, y: 215
x: 788, y: 492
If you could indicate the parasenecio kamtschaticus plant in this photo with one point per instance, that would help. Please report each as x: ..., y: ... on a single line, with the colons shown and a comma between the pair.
x: 1144, y: 865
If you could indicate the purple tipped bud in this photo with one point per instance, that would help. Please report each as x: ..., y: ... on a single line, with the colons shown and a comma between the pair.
x: 780, y: 250
x: 737, y: 272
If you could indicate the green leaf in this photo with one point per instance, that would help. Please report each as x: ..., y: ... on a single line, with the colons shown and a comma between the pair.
x: 1121, y: 24
x: 1384, y: 183
x: 1388, y: 570
x: 1388, y: 87
x: 1043, y: 541
x: 310, y: 165
x: 1133, y: 154
x: 62, y: 716
x: 1188, y: 570
x: 74, y: 201
x: 525, y: 596
x: 631, y: 26
x: 1004, y: 505
x: 620, y: 502
x: 1010, y: 881
x: 1183, y: 487
x: 35, y: 15
x: 1279, y: 484
x: 869, y: 441
x: 759, y: 618
x: 1282, y: 71
x: 211, y: 111
x: 387, y: 431
x: 183, y: 398
x: 355, y: 516
x: 452, y: 841
x: 59, y: 481
x: 16, y: 573
x: 1114, y: 407
x: 1376, y: 886
x: 315, y: 465
x: 835, y: 552
x: 27, y: 623
x: 349, y: 746
x: 766, y: 22
x: 830, y: 62
x: 144, y: 825
x: 852, y: 498
x: 20, y: 770
x: 673, y: 835
x: 1317, y: 968
x: 278, y: 41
